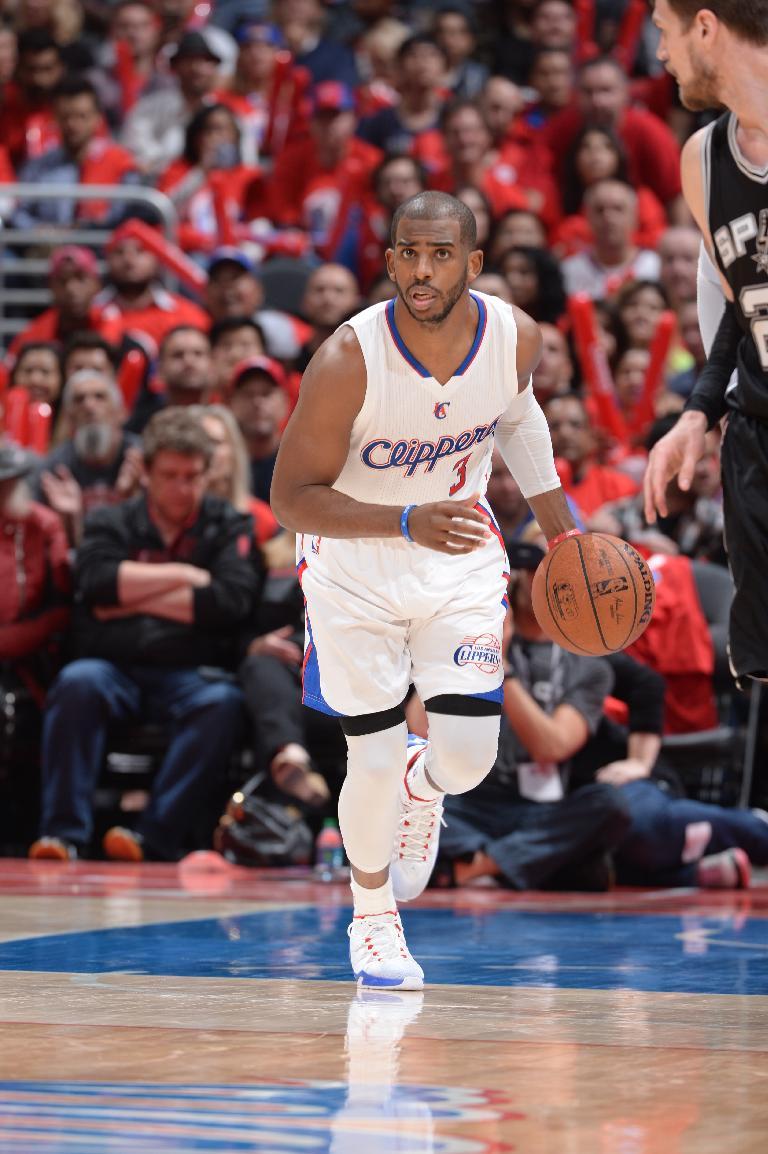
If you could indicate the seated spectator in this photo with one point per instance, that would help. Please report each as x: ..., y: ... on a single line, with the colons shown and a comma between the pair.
x: 597, y: 154
x: 134, y: 25
x: 638, y: 306
x: 154, y: 128
x: 184, y: 375
x: 97, y: 464
x: 613, y: 256
x: 493, y: 285
x: 397, y: 178
x: 553, y: 376
x: 27, y: 123
x: 88, y: 350
x: 551, y: 78
x: 331, y: 296
x: 38, y: 370
x: 34, y: 567
x: 376, y: 54
x: 179, y: 17
x: 302, y: 23
x: 516, y: 227
x: 535, y: 282
x: 233, y: 339
x: 268, y: 93
x: 694, y: 522
x: 73, y: 277
x: 454, y: 31
x: 480, y: 207
x: 165, y: 584
x: 587, y: 483
x: 518, y: 826
x: 260, y: 399
x: 420, y: 83
x: 234, y: 290
x: 510, y: 507
x: 210, y: 162
x: 229, y: 475
x: 85, y: 156
x: 319, y: 183
x: 653, y: 153
x: 678, y: 250
x: 500, y: 102
x: 147, y: 310
x: 508, y: 178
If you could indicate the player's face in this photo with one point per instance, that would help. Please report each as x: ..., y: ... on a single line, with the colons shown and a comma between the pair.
x: 431, y: 268
x: 176, y: 483
x: 680, y: 54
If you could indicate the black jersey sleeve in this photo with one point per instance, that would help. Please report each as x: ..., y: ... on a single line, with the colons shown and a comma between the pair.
x: 708, y: 396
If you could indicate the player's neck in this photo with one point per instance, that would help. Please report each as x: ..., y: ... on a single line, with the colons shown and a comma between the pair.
x: 745, y: 92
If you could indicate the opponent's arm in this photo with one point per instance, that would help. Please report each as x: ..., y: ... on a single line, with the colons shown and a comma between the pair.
x: 314, y: 449
x: 523, y: 439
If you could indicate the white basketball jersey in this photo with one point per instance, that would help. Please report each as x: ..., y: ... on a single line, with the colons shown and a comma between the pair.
x: 415, y: 440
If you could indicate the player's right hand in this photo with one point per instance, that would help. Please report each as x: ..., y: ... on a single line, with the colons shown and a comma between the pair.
x: 450, y: 526
x: 675, y: 455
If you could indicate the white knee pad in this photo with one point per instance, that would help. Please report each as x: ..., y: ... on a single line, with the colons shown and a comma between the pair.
x: 462, y: 750
x: 369, y: 804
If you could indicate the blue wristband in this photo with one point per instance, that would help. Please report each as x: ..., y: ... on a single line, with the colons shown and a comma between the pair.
x: 404, y: 523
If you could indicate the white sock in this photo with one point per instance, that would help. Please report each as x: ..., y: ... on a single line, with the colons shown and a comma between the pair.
x: 419, y: 786
x: 378, y: 901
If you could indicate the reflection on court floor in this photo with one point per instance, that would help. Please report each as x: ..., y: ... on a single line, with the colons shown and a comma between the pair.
x: 145, y: 1011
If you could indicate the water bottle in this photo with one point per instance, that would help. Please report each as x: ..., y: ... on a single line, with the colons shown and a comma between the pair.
x: 329, y: 852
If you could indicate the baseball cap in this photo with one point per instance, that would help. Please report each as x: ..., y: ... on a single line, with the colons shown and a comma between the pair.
x: 332, y: 96
x: 228, y: 254
x: 82, y: 258
x: 194, y: 45
x: 259, y: 32
x: 523, y: 554
x: 264, y: 365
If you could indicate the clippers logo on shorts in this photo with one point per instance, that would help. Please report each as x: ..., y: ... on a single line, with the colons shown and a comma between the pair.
x: 484, y: 652
x: 441, y: 409
x: 410, y: 454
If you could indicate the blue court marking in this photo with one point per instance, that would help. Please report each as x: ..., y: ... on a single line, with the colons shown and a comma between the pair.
x: 300, y: 1117
x: 716, y: 955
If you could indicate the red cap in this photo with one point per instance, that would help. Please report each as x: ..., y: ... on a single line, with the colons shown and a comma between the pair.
x: 332, y: 96
x: 260, y: 365
x: 82, y: 258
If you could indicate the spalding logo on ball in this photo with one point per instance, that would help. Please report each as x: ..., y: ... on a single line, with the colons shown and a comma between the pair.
x: 593, y: 594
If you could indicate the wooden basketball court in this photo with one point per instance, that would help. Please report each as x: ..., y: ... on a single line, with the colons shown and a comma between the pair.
x: 152, y: 1008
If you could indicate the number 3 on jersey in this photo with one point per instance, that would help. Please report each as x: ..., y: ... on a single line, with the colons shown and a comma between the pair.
x: 460, y: 469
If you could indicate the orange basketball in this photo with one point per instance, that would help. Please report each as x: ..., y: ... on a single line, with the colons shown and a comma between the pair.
x: 593, y: 594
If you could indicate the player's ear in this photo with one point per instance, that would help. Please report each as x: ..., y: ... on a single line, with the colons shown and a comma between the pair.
x: 390, y: 259
x: 475, y: 264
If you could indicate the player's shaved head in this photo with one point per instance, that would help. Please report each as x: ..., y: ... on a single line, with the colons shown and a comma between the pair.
x: 438, y: 206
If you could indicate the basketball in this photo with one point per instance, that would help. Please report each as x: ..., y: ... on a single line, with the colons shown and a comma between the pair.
x: 593, y: 594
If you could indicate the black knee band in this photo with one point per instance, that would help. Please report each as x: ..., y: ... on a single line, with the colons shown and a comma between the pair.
x: 461, y: 705
x: 373, y: 722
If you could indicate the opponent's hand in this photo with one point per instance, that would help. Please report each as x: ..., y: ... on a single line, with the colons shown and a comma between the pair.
x: 450, y: 526
x: 676, y: 454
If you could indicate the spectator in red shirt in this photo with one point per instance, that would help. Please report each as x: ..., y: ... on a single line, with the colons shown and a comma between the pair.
x: 597, y: 154
x: 73, y: 278
x: 148, y: 311
x: 588, y: 484
x: 210, y: 165
x: 268, y: 93
x: 27, y: 123
x: 34, y: 565
x: 260, y: 399
x: 321, y: 182
x: 613, y: 257
x: 38, y: 371
x: 652, y: 150
x: 85, y: 156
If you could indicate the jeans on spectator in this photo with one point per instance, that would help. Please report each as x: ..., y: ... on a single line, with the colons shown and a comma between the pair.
x: 651, y: 853
x: 530, y: 841
x: 205, y: 716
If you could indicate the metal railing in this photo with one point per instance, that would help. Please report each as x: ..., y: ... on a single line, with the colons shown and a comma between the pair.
x: 24, y: 291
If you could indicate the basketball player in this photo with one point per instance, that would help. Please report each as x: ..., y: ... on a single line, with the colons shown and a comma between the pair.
x: 718, y: 54
x: 382, y: 471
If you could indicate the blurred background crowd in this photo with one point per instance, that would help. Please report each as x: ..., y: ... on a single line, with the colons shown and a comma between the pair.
x: 193, y: 196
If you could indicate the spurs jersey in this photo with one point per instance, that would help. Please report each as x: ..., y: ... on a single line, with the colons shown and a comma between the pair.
x: 736, y: 199
x: 415, y: 440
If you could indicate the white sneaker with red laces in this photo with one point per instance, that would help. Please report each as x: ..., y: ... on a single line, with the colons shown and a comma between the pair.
x: 418, y: 833
x: 379, y: 955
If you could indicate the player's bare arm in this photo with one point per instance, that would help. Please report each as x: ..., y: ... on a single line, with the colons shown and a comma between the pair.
x: 524, y: 439
x: 314, y: 449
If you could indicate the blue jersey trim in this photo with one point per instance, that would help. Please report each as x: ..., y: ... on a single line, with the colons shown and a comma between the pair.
x: 405, y: 352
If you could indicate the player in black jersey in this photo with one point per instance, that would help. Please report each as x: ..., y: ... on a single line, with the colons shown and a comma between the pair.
x: 718, y: 54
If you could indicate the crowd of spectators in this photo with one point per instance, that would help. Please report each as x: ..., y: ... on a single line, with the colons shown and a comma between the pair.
x: 143, y: 573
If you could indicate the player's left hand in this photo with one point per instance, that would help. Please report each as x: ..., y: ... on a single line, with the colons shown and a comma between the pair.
x: 450, y: 526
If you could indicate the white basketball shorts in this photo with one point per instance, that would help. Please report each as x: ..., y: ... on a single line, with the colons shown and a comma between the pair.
x: 385, y: 613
